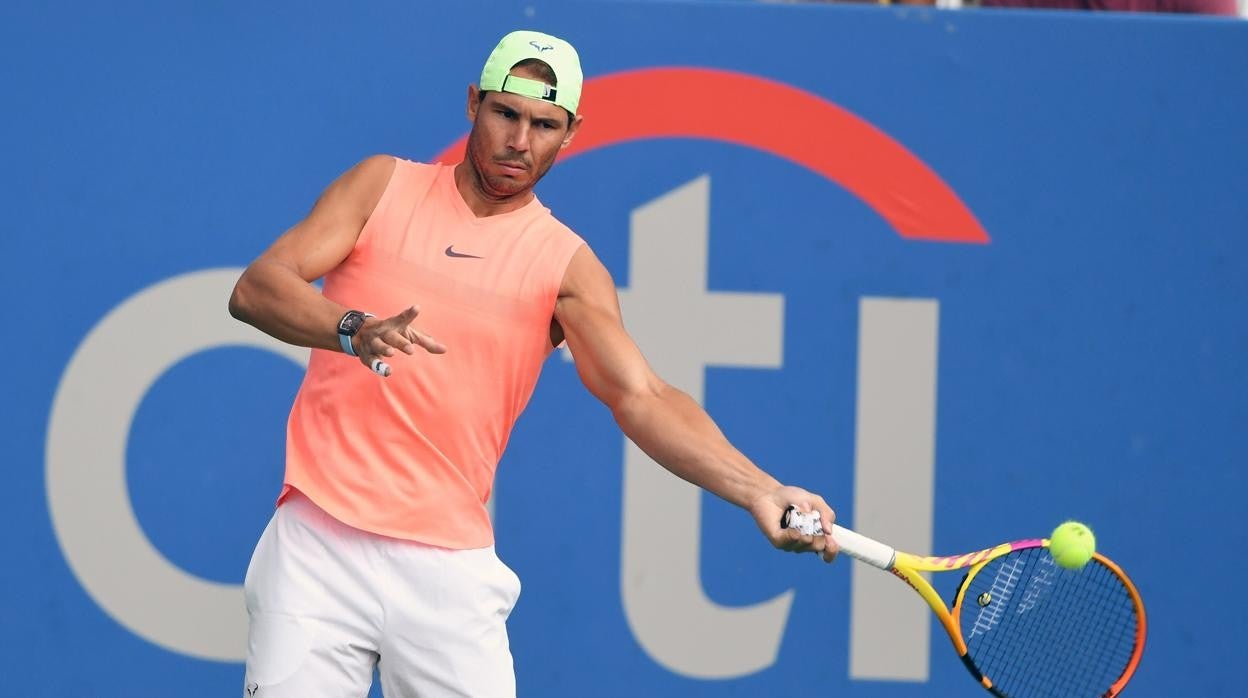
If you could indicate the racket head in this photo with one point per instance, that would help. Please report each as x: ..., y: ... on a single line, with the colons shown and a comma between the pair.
x: 1028, y: 628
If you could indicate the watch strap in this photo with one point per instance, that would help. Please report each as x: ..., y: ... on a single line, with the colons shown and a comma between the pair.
x: 345, y: 341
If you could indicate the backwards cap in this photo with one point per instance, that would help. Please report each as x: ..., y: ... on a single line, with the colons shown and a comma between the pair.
x: 553, y: 51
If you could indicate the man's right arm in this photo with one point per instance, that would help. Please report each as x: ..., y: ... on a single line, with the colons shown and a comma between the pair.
x: 275, y: 293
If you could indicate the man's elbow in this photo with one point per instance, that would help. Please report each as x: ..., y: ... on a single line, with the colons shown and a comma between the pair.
x: 632, y: 406
x: 240, y: 308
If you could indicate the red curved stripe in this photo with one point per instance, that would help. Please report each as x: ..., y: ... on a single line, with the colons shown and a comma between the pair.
x: 781, y: 120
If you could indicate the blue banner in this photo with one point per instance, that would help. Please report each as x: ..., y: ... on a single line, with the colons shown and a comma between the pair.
x: 966, y: 274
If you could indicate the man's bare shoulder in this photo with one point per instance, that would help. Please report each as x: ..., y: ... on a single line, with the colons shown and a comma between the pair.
x: 373, y: 171
x: 356, y: 192
x: 586, y: 275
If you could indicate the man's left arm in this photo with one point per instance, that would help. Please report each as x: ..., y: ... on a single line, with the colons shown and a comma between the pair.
x: 667, y: 424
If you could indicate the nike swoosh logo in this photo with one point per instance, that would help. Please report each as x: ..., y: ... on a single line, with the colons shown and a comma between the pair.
x: 450, y: 252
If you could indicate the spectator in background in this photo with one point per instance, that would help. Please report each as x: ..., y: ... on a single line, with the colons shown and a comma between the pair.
x: 1226, y: 8
x: 1203, y: 7
x: 862, y: 2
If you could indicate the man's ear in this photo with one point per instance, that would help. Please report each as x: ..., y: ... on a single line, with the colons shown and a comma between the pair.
x: 474, y: 101
x: 572, y: 129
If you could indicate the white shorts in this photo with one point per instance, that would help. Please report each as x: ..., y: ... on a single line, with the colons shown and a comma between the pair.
x: 328, y: 603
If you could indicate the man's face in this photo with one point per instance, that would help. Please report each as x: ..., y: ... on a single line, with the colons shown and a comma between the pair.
x: 514, y: 139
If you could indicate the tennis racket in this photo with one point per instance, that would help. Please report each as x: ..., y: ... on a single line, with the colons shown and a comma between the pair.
x: 1024, y: 627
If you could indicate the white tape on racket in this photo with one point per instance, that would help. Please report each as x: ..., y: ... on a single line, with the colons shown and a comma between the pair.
x: 854, y: 544
x: 806, y: 524
x: 381, y: 368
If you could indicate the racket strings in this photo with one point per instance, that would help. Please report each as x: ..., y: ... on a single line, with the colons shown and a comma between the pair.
x: 1036, y: 630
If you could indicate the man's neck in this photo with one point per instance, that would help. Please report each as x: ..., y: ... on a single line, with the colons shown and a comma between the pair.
x: 472, y: 189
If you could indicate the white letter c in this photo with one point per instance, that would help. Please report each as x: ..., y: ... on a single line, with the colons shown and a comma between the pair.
x: 103, y: 386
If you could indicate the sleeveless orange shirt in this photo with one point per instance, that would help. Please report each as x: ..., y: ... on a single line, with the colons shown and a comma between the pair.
x: 413, y: 455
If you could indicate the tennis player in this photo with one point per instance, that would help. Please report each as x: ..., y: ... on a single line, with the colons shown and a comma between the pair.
x: 445, y: 289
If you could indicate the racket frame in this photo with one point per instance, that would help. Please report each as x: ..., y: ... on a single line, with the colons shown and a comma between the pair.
x: 909, y: 568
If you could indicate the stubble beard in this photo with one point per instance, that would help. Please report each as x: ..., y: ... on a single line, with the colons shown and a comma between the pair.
x: 497, y: 188
x: 500, y: 189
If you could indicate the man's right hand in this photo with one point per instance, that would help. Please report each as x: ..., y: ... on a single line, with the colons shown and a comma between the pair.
x: 381, y: 338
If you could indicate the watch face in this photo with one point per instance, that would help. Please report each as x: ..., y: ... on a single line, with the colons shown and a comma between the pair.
x: 350, y: 323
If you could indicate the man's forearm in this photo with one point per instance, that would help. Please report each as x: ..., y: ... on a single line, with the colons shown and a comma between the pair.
x: 275, y: 300
x: 677, y: 433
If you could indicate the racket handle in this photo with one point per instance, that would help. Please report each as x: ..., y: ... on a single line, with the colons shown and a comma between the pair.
x: 381, y: 368
x: 851, y: 543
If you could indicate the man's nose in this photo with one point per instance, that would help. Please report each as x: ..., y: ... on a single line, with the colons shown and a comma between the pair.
x: 519, y: 140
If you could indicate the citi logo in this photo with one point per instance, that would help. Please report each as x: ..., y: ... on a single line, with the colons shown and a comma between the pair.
x: 671, y: 617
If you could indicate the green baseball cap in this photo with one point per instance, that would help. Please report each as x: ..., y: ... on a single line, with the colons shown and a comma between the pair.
x: 553, y: 51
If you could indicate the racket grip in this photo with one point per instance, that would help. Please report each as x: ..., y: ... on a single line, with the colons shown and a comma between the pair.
x: 851, y: 543
x: 380, y: 367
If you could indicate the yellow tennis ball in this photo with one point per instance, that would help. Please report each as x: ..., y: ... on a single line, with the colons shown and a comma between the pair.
x: 1072, y: 545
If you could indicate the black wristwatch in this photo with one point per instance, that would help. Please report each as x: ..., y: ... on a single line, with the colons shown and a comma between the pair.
x: 348, y: 326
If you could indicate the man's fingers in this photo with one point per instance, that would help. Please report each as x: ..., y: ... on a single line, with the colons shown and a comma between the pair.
x: 402, y: 336
x: 830, y: 549
x: 430, y: 344
x: 378, y: 347
x: 792, y: 540
x: 399, y: 341
x: 823, y: 546
x: 405, y: 318
x: 827, y: 517
x: 426, y: 342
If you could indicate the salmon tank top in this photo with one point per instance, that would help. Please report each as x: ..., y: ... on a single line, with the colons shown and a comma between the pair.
x: 413, y: 455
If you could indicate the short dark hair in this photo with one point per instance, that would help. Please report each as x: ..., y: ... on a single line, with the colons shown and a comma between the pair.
x: 542, y: 68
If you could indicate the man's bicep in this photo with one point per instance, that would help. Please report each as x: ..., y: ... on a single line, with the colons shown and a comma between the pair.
x: 607, y: 359
x: 323, y: 239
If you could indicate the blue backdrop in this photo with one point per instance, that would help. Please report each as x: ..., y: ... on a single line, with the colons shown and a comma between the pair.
x: 1090, y: 354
